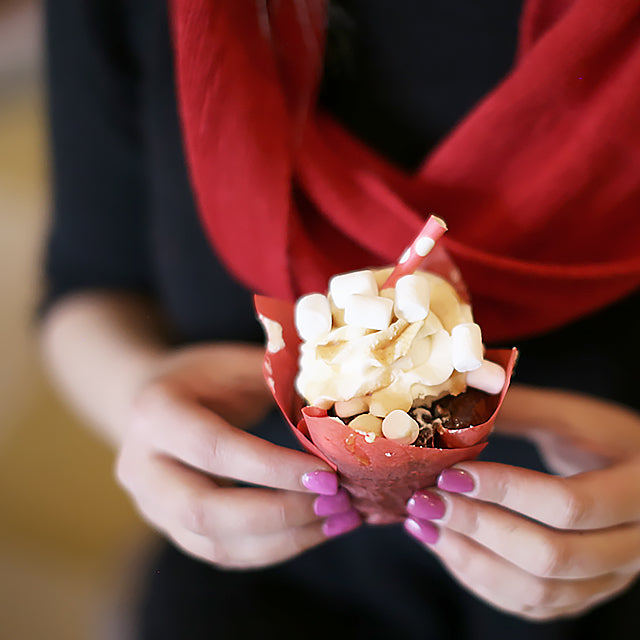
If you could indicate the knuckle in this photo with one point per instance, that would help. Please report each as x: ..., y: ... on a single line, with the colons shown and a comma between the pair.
x: 291, y: 510
x: 192, y: 513
x: 574, y: 509
x: 541, y: 593
x: 211, y: 450
x: 500, y: 488
x: 551, y: 557
x: 283, y: 516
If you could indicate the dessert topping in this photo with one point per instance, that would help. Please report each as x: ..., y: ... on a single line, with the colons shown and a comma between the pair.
x: 346, y: 284
x: 466, y: 346
x: 489, y: 377
x: 368, y: 312
x: 313, y: 316
x: 412, y: 298
x: 400, y: 427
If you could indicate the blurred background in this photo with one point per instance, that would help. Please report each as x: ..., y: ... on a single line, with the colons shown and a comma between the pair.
x: 69, y: 540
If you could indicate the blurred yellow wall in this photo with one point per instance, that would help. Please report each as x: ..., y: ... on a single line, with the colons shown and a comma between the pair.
x: 66, y: 531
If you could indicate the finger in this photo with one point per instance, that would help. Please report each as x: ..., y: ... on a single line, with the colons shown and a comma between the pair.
x: 252, y: 551
x: 247, y: 551
x: 256, y: 552
x: 201, y: 439
x: 332, y: 505
x: 563, y: 457
x: 602, y: 427
x: 508, y: 587
x: 180, y: 497
x: 538, y: 549
x: 592, y: 500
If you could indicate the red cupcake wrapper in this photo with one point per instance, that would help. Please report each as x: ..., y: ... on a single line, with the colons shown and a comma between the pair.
x: 382, y: 475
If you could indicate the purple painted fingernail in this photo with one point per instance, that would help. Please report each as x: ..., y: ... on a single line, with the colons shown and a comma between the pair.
x: 330, y: 505
x: 426, y: 505
x: 456, y: 481
x: 341, y: 523
x: 422, y: 531
x: 323, y: 482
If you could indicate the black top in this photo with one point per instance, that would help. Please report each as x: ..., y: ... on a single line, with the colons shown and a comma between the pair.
x: 399, y: 75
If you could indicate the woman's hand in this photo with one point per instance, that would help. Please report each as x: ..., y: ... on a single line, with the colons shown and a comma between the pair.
x: 183, y: 445
x: 536, y: 545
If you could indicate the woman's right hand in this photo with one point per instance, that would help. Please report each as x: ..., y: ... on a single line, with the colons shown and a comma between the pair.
x: 183, y: 445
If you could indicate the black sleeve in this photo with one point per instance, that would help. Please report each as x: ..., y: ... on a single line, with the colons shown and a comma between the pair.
x: 97, y: 238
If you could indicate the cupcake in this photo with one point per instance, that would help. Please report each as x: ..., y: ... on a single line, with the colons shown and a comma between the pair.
x: 389, y: 374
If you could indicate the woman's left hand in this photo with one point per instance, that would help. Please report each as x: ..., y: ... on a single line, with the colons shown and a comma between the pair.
x: 536, y: 545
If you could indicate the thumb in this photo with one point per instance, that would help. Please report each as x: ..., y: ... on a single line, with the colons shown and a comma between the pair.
x: 563, y: 457
x: 549, y: 417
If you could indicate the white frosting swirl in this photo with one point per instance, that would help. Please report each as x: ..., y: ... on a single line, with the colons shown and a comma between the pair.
x: 392, y: 367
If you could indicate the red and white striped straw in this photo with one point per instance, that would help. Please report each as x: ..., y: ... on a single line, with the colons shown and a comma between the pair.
x: 411, y: 259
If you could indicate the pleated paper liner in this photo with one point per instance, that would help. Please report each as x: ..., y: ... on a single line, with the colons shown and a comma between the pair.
x: 381, y: 475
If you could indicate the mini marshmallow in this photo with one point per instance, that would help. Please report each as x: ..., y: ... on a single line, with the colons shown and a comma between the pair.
x: 412, y: 298
x: 348, y: 408
x: 368, y: 312
x: 346, y: 284
x: 313, y: 316
x: 466, y: 347
x: 384, y: 401
x: 367, y: 423
x: 489, y: 377
x: 400, y: 427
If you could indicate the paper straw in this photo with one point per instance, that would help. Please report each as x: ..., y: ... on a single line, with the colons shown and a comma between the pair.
x: 413, y: 256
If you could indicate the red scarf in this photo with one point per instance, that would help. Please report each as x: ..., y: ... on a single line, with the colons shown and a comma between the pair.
x: 539, y: 184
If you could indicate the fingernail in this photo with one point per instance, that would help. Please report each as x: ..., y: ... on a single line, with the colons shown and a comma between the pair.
x: 422, y: 531
x: 426, y: 505
x: 323, y: 482
x: 341, y: 523
x: 330, y: 505
x: 456, y: 481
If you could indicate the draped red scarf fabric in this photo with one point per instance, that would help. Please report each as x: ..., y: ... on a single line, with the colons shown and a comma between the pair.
x: 539, y: 184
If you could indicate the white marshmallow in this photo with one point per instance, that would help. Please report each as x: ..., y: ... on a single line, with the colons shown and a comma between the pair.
x: 348, y: 408
x: 412, y: 298
x: 367, y: 423
x: 313, y: 316
x: 346, y: 284
x: 368, y: 312
x: 489, y: 377
x: 466, y: 346
x: 400, y: 427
